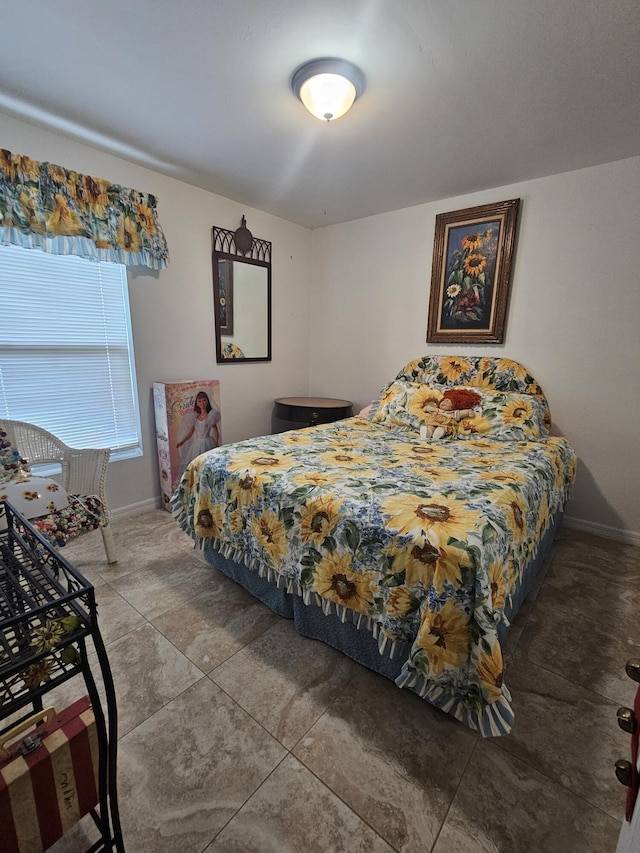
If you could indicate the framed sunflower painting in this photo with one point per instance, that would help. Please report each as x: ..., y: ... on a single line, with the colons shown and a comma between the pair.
x: 471, y: 273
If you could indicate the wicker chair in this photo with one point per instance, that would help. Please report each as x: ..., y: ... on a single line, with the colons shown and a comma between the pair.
x: 84, y: 474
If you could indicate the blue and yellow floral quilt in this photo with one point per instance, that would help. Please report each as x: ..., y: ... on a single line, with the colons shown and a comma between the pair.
x: 421, y: 542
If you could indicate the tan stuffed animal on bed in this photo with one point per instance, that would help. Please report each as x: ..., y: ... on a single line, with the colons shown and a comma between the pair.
x: 443, y: 419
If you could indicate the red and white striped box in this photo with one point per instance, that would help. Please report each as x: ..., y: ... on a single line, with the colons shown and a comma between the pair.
x: 43, y: 794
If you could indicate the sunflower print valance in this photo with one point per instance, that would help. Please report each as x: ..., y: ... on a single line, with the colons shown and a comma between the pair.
x: 48, y: 207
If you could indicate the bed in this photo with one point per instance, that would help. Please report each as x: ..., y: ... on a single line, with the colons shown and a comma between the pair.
x: 410, y: 555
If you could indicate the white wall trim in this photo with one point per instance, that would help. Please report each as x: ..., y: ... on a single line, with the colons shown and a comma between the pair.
x: 630, y: 537
x: 136, y: 509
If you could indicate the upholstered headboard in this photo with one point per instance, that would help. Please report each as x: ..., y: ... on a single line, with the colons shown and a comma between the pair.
x: 491, y: 372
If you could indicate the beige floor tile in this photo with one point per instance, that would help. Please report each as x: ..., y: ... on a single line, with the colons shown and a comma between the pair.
x: 575, y: 641
x: 166, y: 583
x: 116, y: 617
x: 185, y: 771
x: 390, y: 756
x: 285, y: 681
x: 615, y: 561
x: 504, y: 806
x: 566, y: 732
x: 216, y: 624
x: 148, y: 671
x: 293, y: 811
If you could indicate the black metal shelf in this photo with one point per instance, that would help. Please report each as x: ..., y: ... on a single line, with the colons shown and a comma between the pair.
x: 47, y: 612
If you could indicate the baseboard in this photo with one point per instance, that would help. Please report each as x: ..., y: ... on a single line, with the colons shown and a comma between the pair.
x: 629, y: 537
x: 136, y: 509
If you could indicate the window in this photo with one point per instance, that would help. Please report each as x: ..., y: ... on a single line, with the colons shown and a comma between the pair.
x: 66, y: 351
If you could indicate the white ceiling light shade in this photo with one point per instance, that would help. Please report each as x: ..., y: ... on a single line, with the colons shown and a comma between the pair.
x: 327, y: 87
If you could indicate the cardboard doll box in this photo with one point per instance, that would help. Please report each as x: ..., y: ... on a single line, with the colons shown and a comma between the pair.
x: 188, y: 422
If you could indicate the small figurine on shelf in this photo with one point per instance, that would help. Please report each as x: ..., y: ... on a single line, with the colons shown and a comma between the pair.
x: 443, y: 418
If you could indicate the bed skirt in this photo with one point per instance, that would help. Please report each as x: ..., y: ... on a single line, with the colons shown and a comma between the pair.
x: 360, y: 644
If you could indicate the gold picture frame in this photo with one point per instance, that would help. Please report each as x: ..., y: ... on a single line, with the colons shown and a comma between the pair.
x: 471, y: 273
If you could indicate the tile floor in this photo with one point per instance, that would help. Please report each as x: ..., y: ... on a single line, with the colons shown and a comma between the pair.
x: 237, y: 734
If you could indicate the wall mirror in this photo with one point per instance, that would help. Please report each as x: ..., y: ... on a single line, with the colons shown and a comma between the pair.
x: 242, y: 295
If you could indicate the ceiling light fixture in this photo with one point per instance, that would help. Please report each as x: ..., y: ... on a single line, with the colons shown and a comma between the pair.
x: 327, y: 87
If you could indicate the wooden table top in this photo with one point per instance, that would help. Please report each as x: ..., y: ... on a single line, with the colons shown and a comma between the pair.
x: 314, y: 402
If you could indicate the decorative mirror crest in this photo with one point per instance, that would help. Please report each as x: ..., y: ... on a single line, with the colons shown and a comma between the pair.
x: 242, y: 295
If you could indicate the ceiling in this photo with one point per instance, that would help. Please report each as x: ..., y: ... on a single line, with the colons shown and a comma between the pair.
x: 462, y: 95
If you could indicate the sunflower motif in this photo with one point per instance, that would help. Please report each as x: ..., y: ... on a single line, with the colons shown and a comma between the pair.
x: 28, y: 169
x: 37, y: 673
x: 504, y: 477
x: 543, y: 516
x: 335, y: 580
x: 474, y: 264
x: 436, y: 518
x: 29, y: 207
x: 236, y: 522
x: 517, y: 411
x: 45, y: 638
x: 192, y: 473
x: 497, y: 584
x: 506, y: 365
x: 389, y: 394
x: 453, y: 290
x: 491, y: 672
x: 315, y: 478
x: 146, y: 217
x: 344, y: 459
x: 453, y: 368
x: 128, y: 237
x: 514, y: 508
x: 271, y: 535
x: 399, y: 601
x: 429, y: 564
x: 63, y: 219
x: 477, y: 425
x: 435, y: 473
x: 255, y: 459
x: 471, y: 241
x: 7, y: 164
x: 94, y: 192
x: 431, y: 451
x: 445, y: 637
x: 245, y: 489
x: 422, y: 399
x: 208, y: 520
x: 318, y: 518
x: 297, y: 437
x: 57, y: 174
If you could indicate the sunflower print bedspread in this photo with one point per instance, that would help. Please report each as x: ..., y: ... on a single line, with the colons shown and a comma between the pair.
x: 422, y: 543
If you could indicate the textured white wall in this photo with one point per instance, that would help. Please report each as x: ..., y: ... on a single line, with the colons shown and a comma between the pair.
x: 573, y: 318
x: 172, y: 313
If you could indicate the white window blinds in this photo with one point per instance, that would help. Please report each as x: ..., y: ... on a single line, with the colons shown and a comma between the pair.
x: 66, y: 352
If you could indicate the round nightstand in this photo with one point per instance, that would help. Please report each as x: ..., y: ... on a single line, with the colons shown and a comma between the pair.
x: 296, y: 412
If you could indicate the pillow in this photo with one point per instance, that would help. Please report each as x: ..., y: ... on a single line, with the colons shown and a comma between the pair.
x: 34, y: 496
x: 505, y: 415
x: 404, y: 404
x: 11, y: 462
x: 508, y: 416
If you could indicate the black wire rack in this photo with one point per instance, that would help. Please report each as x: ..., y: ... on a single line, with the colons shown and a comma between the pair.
x: 47, y: 612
